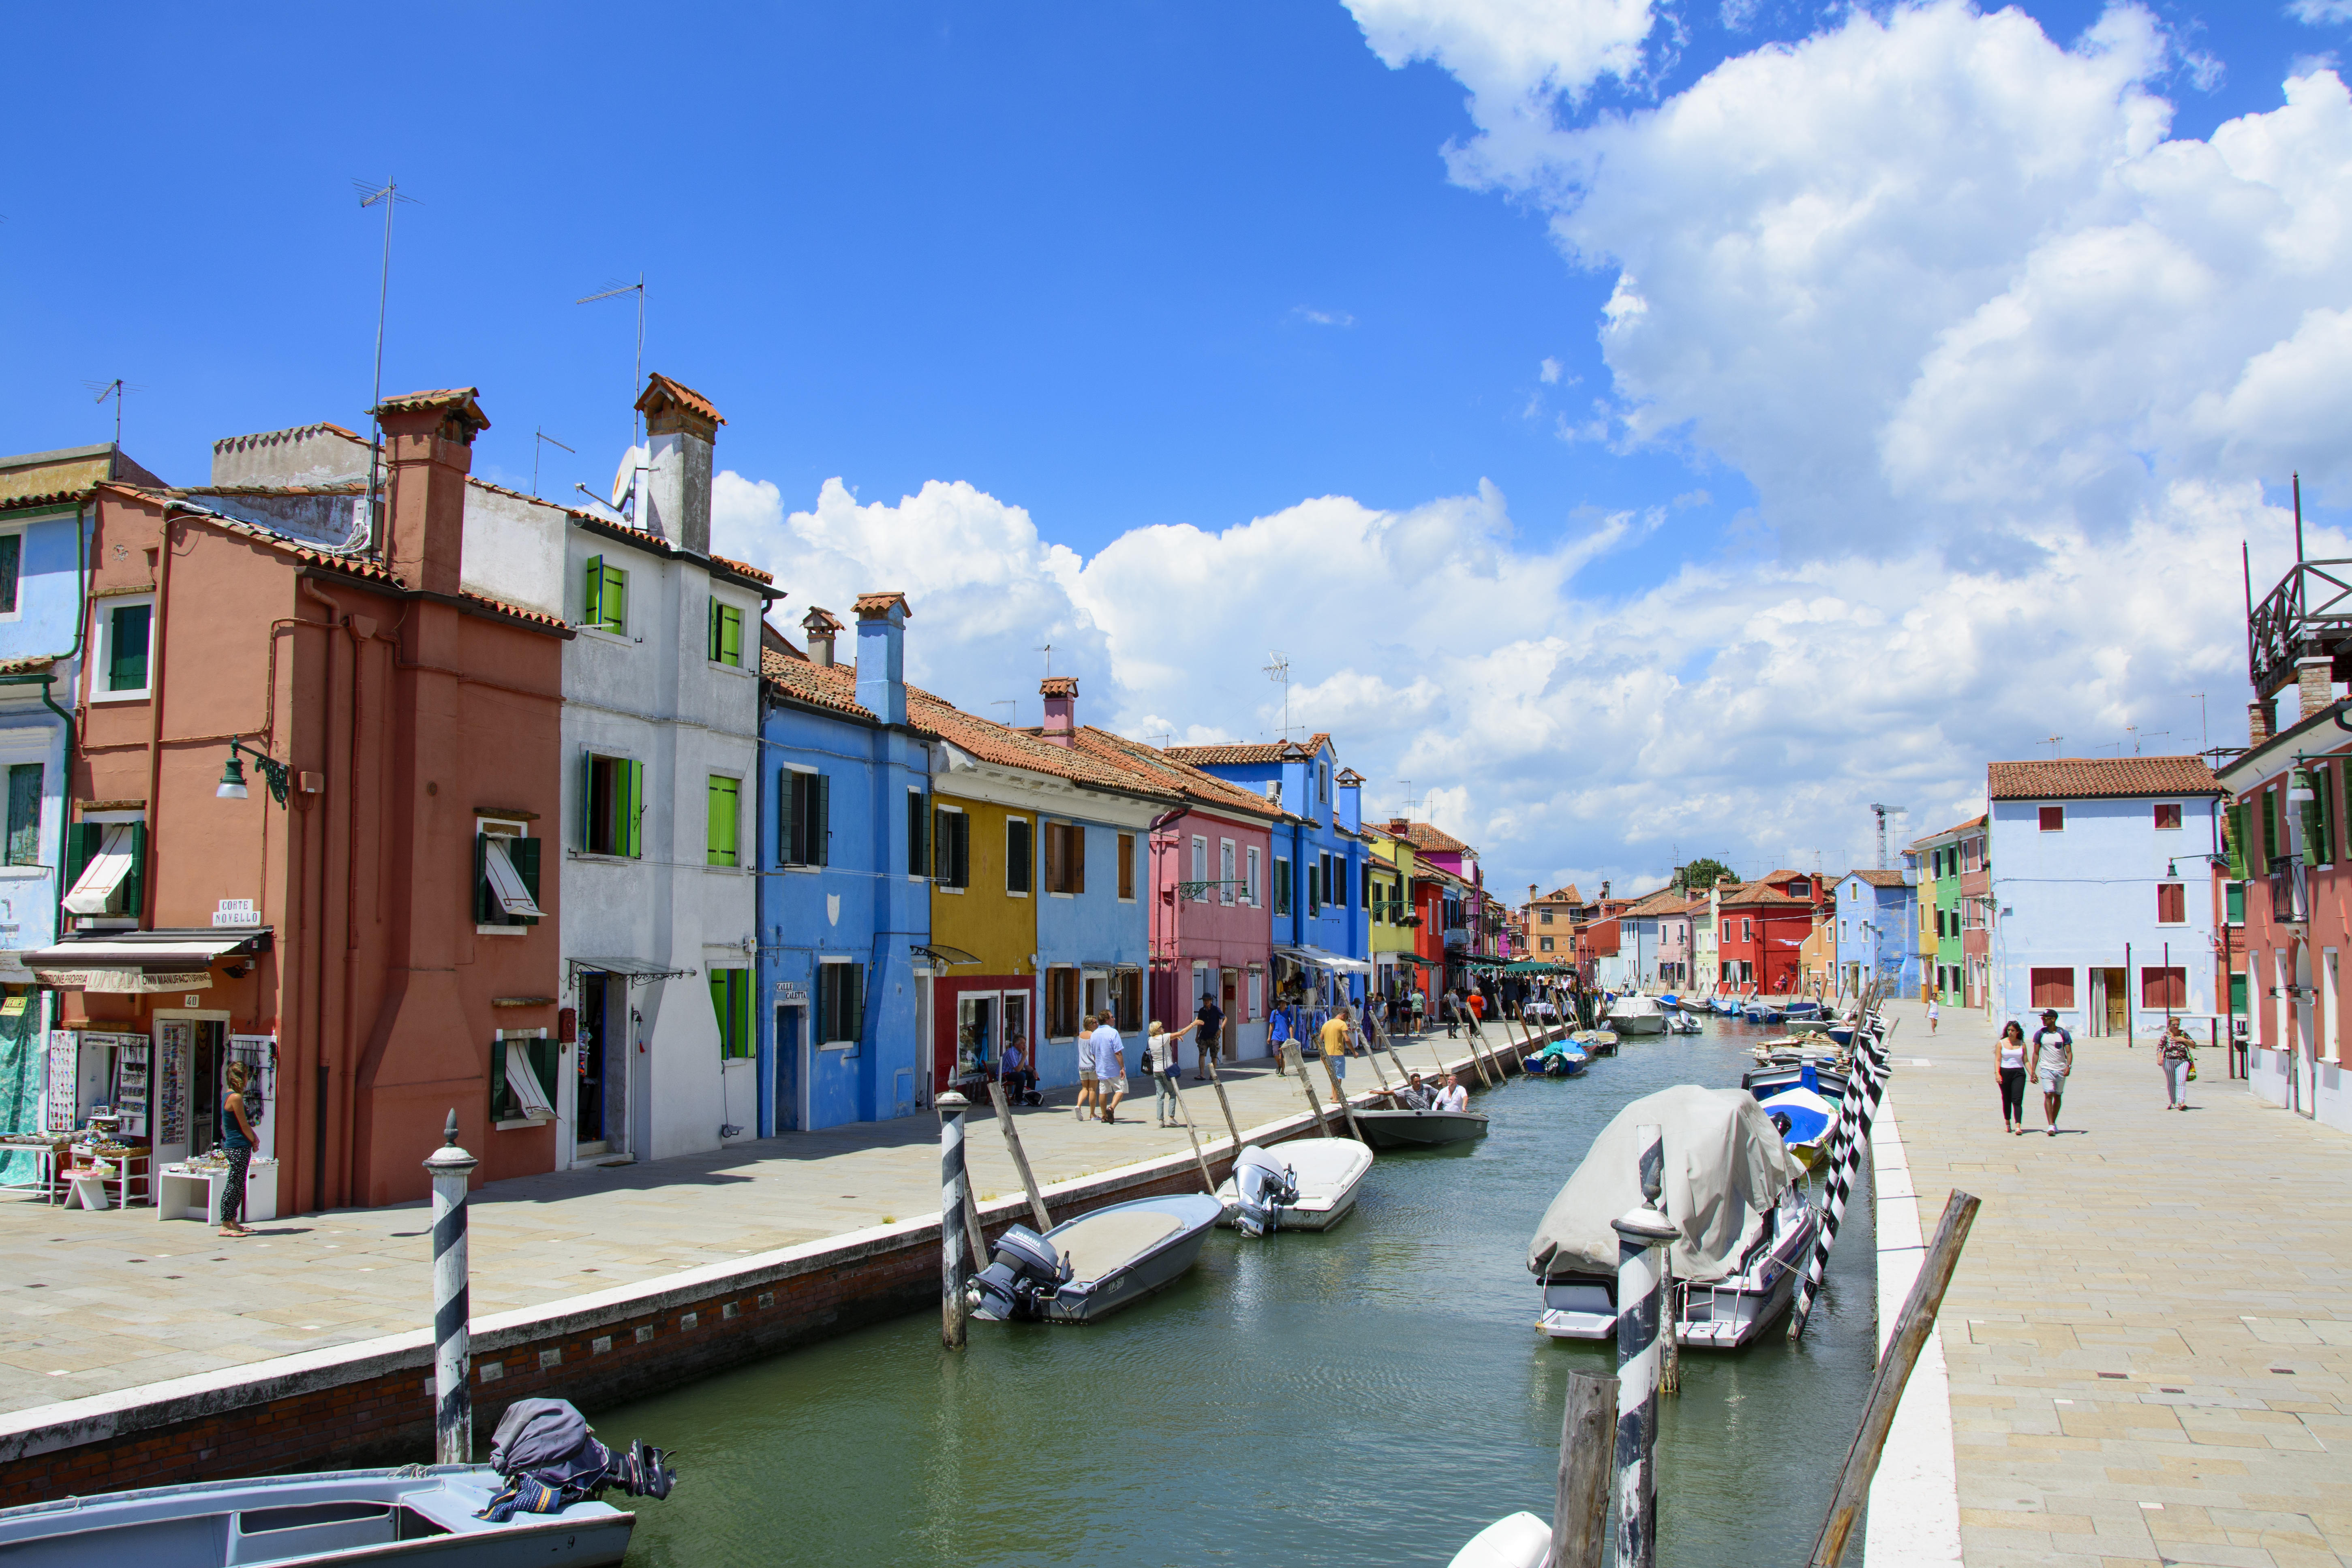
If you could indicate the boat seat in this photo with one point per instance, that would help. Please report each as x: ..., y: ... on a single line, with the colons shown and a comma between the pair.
x: 1101, y: 1243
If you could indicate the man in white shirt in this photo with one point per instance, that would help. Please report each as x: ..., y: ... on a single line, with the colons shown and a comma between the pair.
x: 1110, y: 1066
x: 1453, y: 1097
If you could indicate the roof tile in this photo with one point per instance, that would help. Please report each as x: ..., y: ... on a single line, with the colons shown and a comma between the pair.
x: 2096, y: 778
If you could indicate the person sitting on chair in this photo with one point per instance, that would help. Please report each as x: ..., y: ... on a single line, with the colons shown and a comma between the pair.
x: 1013, y: 1067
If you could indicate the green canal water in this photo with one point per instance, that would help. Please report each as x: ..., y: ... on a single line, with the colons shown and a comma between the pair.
x: 1374, y: 1395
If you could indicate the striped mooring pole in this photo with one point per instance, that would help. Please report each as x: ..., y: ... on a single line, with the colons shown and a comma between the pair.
x: 453, y: 1358
x: 1861, y: 1104
x: 1643, y: 1236
x: 952, y: 1277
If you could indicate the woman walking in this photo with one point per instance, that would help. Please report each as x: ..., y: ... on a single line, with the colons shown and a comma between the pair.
x: 2009, y: 1069
x: 2172, y: 1049
x: 237, y: 1142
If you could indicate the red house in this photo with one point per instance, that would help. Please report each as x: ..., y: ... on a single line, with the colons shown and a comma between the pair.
x: 1762, y: 929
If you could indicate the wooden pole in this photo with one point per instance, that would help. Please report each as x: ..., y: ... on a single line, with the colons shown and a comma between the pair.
x: 975, y: 1238
x: 1911, y: 1330
x: 1208, y: 1178
x: 1314, y: 1103
x: 1644, y: 1236
x: 1224, y: 1104
x: 1472, y: 1037
x: 1579, y: 1516
x: 1346, y: 1111
x: 1020, y: 1159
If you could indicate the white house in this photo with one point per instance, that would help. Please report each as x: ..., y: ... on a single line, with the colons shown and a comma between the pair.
x: 2100, y: 889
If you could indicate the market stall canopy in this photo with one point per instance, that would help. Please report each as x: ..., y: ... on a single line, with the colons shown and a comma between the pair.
x: 1534, y: 966
x: 941, y: 952
x: 131, y: 963
x: 1324, y: 958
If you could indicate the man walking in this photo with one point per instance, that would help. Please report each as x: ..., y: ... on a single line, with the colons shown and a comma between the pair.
x: 2054, y: 1058
x: 1210, y: 1034
x: 1335, y: 1042
x: 1110, y: 1066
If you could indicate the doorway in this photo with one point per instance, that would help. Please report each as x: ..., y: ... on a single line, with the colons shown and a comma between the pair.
x: 790, y: 1053
x: 2110, y: 999
x: 598, y: 1124
x: 1229, y: 998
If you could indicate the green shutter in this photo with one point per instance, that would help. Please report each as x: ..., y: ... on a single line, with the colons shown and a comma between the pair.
x: 25, y: 781
x: 502, y: 1106
x: 820, y: 820
x: 722, y: 815
x: 2326, y: 776
x: 592, y: 602
x: 81, y: 842
x: 2268, y: 850
x: 633, y: 809
x: 725, y: 633
x: 721, y: 1011
x: 524, y: 854
x: 919, y: 823
x: 126, y: 647
x: 134, y: 885
x: 2234, y: 826
x: 787, y: 819
x: 588, y: 802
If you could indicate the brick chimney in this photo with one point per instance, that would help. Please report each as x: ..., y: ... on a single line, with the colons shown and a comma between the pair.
x: 681, y: 426
x: 2313, y: 686
x: 1061, y: 695
x: 1398, y: 825
x: 821, y: 627
x: 2261, y: 722
x: 882, y: 655
x: 429, y: 449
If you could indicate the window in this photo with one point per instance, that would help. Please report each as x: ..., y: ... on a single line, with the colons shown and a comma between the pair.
x: 1126, y: 1001
x: 1065, y: 858
x: 2053, y: 819
x: 950, y: 847
x: 2052, y: 987
x: 1281, y: 885
x: 2167, y: 988
x: 522, y: 1078
x: 2319, y: 816
x: 123, y: 633
x: 605, y: 604
x: 1323, y: 781
x: 505, y: 875
x: 106, y: 871
x: 803, y: 817
x: 2171, y: 904
x: 2269, y: 829
x: 24, y: 806
x: 1747, y: 929
x: 1543, y: 917
x: 1020, y: 862
x: 919, y: 834
x: 1225, y: 871
x: 724, y: 815
x: 2233, y: 837
x: 1249, y: 877
x: 840, y: 1003
x: 2233, y: 903
x: 613, y: 804
x: 1200, y: 876
x: 1097, y: 994
x: 1543, y: 944
x: 730, y: 999
x: 1256, y: 992
x: 2168, y: 817
x: 1800, y: 889
x: 12, y: 546
x: 725, y: 633
x: 1127, y: 867
x: 1061, y: 1003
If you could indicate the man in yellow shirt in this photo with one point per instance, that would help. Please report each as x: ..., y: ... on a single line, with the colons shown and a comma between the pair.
x: 1335, y: 1041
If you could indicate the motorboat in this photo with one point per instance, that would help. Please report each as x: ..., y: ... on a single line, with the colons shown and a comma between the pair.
x: 1090, y: 1267
x: 1807, y: 1024
x: 1682, y: 1024
x: 1595, y: 1042
x: 1307, y: 1183
x: 454, y: 1516
x: 1762, y: 1012
x: 1822, y: 1075
x: 1803, y: 1007
x: 1727, y: 1006
x: 1636, y: 1015
x: 1806, y: 1118
x: 1514, y: 1541
x: 1558, y: 1058
x: 1731, y: 1190
x: 1670, y: 1002
x: 1420, y: 1129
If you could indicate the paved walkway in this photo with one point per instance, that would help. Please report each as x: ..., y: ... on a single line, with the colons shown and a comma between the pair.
x: 2150, y: 1334
x: 97, y: 1303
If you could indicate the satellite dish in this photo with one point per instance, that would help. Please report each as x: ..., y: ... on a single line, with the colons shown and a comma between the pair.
x: 624, y: 482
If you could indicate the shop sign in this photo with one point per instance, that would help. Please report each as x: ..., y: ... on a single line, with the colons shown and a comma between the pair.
x: 236, y: 912
x: 121, y: 982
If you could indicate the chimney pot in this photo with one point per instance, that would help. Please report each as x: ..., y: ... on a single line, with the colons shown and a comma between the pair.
x: 681, y: 427
x: 2313, y: 679
x: 820, y: 626
x: 1061, y: 695
x: 429, y: 445
x: 2261, y: 722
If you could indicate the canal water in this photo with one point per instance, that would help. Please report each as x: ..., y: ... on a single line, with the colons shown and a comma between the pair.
x: 1377, y: 1393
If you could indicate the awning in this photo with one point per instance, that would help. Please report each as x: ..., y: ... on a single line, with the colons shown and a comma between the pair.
x: 506, y: 882
x: 1323, y: 958
x: 941, y: 952
x: 633, y: 971
x: 131, y: 963
x: 526, y: 1087
x: 104, y: 873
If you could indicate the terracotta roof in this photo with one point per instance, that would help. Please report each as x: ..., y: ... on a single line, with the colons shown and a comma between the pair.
x: 685, y: 397
x: 819, y: 620
x: 743, y: 568
x: 1256, y: 751
x: 832, y: 685
x: 1758, y: 892
x: 259, y: 437
x: 1424, y: 837
x: 32, y: 665
x: 1350, y: 776
x: 1878, y: 879
x: 2094, y: 778
x: 1664, y: 902
x: 340, y: 488
x: 458, y: 398
x: 993, y: 742
x: 46, y: 498
x: 1157, y: 770
x: 879, y: 604
x: 1947, y: 833
x: 1058, y: 686
x: 645, y: 538
x: 502, y: 489
x: 1567, y: 895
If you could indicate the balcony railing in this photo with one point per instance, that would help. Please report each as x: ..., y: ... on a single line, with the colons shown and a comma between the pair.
x: 1457, y: 936
x: 2290, y: 891
x: 2308, y: 615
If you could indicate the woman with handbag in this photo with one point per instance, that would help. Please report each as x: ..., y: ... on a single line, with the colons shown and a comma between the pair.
x: 2172, y: 1054
x: 1160, y: 1066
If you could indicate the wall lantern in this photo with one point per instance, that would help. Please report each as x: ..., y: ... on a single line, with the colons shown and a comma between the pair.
x: 2298, y: 787
x: 232, y: 779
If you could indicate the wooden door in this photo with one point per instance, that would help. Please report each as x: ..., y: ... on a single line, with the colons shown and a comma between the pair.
x: 2119, y: 989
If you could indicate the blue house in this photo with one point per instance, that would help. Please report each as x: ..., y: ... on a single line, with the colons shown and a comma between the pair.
x: 845, y: 891
x: 1878, y: 922
x: 1322, y: 864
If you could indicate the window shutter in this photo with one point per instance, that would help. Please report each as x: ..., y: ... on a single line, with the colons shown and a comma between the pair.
x: 524, y: 855
x: 1074, y: 854
x: 919, y: 834
x: 1056, y: 872
x: 134, y: 885
x: 11, y: 548
x: 713, y: 637
x: 588, y: 802
x: 502, y: 1097
x: 787, y: 820
x: 731, y: 625
x: 615, y: 599
x: 592, y: 602
x: 633, y: 809
x: 821, y: 820
x: 24, y: 782
x: 485, y: 911
x: 81, y: 843
x: 963, y: 850
x: 942, y: 853
x: 853, y: 982
x: 719, y: 1010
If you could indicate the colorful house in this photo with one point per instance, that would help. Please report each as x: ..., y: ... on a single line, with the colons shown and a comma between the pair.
x: 1878, y: 922
x: 1951, y: 908
x: 1397, y: 962
x: 1762, y: 928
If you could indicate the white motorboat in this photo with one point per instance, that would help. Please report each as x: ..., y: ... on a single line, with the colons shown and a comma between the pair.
x: 1088, y: 1267
x: 1514, y: 1541
x: 1636, y: 1015
x: 1730, y: 1189
x: 1307, y: 1183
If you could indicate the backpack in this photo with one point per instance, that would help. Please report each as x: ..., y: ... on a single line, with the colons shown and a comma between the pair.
x: 1149, y: 1070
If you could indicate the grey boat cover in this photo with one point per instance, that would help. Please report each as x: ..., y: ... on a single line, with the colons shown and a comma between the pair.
x: 1725, y: 1169
x: 547, y: 1439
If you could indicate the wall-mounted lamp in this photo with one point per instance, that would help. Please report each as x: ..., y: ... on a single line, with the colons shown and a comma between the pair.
x: 232, y: 779
x: 2299, y: 786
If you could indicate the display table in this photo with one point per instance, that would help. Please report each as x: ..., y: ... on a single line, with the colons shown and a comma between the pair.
x: 75, y: 1184
x: 182, y: 1193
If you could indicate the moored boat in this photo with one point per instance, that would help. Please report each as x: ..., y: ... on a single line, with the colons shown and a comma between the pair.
x: 1307, y: 1183
x: 1087, y: 1267
x: 1514, y: 1541
x: 1682, y: 1024
x: 1420, y: 1129
x: 1636, y: 1015
x: 1725, y: 1006
x: 1805, y: 1117
x: 1558, y: 1058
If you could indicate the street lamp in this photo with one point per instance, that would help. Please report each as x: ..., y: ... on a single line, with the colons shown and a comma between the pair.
x: 232, y: 779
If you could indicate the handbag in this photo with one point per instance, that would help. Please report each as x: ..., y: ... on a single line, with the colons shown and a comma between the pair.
x: 2192, y: 1069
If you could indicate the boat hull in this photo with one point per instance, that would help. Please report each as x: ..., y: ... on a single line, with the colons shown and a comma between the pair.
x: 1420, y: 1129
x: 1153, y: 1270
x: 1329, y: 1171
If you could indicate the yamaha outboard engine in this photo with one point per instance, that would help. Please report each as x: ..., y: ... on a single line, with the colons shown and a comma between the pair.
x: 1264, y: 1186
x: 1026, y: 1265
x: 549, y: 1459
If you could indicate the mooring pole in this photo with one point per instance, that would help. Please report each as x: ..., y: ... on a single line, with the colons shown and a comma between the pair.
x: 1579, y: 1515
x: 1175, y: 1085
x: 951, y: 1107
x: 1642, y: 1236
x: 1470, y: 1038
x: 1314, y: 1101
x: 1346, y: 1111
x: 1037, y: 1211
x: 1862, y: 1094
x: 453, y: 1396
x: 1222, y: 1103
x: 1911, y: 1330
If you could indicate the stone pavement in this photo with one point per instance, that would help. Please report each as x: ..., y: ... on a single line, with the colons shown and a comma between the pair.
x: 97, y: 1303
x: 2150, y: 1333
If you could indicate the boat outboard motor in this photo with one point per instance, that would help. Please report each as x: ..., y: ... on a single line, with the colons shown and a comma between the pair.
x: 1025, y: 1265
x: 548, y: 1460
x: 1263, y: 1185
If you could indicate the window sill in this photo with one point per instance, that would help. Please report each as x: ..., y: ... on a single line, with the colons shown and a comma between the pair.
x: 524, y: 1123
x: 846, y: 1048
x: 600, y: 857
x: 602, y: 633
x: 725, y: 871
x: 720, y: 666
x: 501, y: 931
x: 139, y: 696
x: 22, y: 873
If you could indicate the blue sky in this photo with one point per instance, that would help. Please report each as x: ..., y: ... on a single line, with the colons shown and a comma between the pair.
x: 1116, y: 265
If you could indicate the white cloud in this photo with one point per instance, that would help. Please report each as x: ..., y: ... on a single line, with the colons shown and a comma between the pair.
x: 1323, y: 318
x: 2320, y: 12
x: 1549, y: 371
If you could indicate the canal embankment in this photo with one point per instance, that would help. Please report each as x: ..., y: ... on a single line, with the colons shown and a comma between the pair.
x: 126, y: 1285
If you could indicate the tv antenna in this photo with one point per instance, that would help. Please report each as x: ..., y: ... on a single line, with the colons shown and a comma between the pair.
x: 1884, y: 812
x: 1279, y: 673
x: 539, y: 436
x: 1007, y: 702
x: 389, y: 193
x: 1049, y: 651
x: 2138, y: 734
x: 114, y: 389
x: 2204, y: 740
x: 2052, y: 742
x: 613, y: 290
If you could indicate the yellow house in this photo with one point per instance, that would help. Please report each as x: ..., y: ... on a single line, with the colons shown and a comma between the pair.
x: 1393, y: 865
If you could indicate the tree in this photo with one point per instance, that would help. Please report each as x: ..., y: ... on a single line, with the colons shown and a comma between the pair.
x: 1702, y: 874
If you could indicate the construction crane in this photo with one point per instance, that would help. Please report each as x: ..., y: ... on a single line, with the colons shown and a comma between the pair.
x: 1883, y: 813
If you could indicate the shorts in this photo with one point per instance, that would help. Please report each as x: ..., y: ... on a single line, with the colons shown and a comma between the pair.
x: 1338, y: 1065
x: 1086, y: 1078
x: 2054, y: 1080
